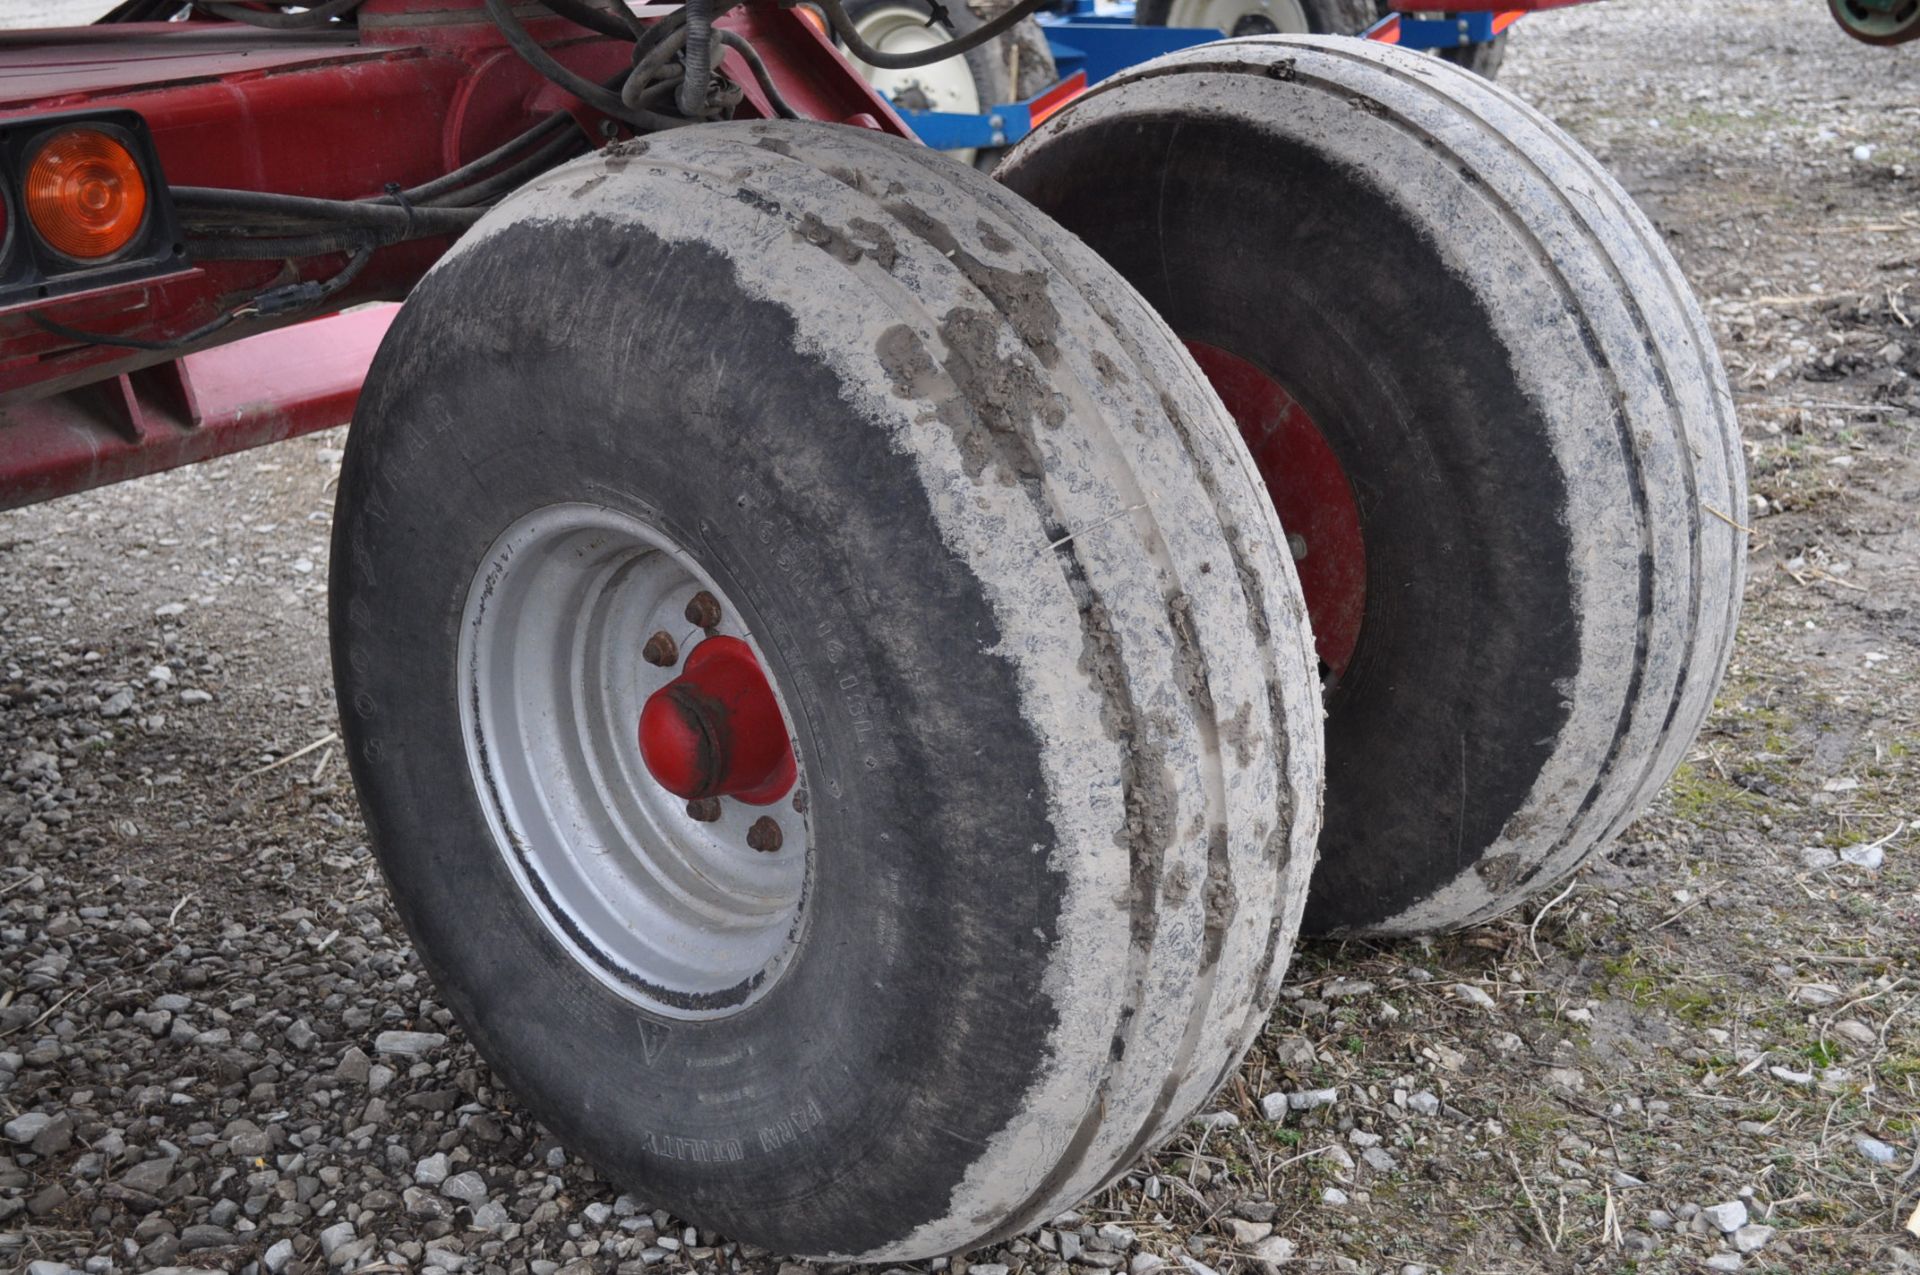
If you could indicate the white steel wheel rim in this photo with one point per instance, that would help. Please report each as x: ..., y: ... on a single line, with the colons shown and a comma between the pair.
x: 1241, y: 17
x: 676, y: 915
x: 947, y: 85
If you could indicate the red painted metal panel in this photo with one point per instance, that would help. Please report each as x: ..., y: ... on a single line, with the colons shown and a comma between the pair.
x: 330, y: 116
x: 423, y: 86
x: 308, y: 375
x: 261, y: 390
x: 810, y: 72
x: 71, y: 65
x: 251, y: 111
x: 296, y: 114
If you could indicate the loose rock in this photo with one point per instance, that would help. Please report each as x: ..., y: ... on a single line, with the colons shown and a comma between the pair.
x: 1726, y: 1218
x: 1473, y: 995
x: 1875, y: 1150
x: 408, y: 1044
x: 468, y: 1187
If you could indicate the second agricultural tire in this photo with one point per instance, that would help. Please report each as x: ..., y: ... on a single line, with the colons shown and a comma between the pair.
x: 1492, y: 416
x: 1015, y: 694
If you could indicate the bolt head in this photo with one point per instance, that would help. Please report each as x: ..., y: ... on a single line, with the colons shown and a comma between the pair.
x: 661, y: 650
x: 703, y: 610
x: 704, y: 809
x: 764, y: 835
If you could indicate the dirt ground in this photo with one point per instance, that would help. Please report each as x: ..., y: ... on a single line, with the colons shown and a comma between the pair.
x: 1720, y: 1023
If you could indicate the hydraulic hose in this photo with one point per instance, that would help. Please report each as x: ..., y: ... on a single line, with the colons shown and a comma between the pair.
x: 859, y: 49
x: 696, y: 54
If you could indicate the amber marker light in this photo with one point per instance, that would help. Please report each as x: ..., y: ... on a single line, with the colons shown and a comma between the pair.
x: 85, y: 194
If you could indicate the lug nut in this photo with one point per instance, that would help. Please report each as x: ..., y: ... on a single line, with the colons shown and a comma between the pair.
x: 705, y: 809
x: 764, y: 836
x: 800, y: 800
x: 661, y: 650
x: 703, y: 610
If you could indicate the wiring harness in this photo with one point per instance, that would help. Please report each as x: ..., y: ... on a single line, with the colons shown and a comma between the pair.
x: 673, y: 57
x: 670, y: 83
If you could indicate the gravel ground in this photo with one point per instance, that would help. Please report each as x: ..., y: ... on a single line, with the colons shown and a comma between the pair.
x: 46, y: 13
x: 218, y: 1052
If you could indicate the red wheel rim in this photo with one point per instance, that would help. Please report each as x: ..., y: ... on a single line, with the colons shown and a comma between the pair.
x: 1310, y: 492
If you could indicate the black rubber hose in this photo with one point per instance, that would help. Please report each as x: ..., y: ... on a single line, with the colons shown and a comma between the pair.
x: 249, y: 248
x: 696, y: 54
x: 761, y: 75
x: 452, y: 188
x: 352, y: 212
x: 656, y: 94
x: 864, y: 52
x: 653, y: 79
x: 658, y: 32
x: 200, y: 333
x: 507, y: 179
x: 654, y: 62
x: 472, y: 169
x: 287, y: 298
x: 652, y: 68
x: 355, y: 264
x: 601, y: 99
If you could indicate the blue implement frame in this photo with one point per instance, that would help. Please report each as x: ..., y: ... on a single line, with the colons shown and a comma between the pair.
x: 1102, y: 41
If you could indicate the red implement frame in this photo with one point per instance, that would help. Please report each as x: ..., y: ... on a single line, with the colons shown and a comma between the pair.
x: 419, y: 88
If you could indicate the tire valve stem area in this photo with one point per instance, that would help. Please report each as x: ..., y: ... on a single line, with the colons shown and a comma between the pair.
x: 716, y: 730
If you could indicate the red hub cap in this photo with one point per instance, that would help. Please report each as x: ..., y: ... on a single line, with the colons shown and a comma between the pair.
x: 1311, y: 494
x: 716, y: 730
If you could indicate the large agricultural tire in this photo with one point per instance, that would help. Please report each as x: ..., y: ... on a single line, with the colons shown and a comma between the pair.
x: 1260, y: 17
x: 1493, y: 419
x: 1027, y: 614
